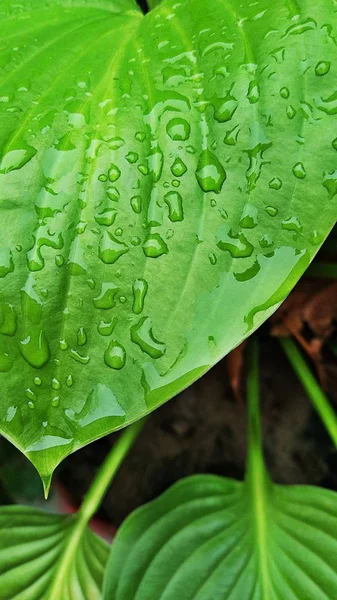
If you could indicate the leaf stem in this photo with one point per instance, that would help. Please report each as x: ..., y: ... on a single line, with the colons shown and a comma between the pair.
x: 312, y: 387
x: 108, y: 470
x: 324, y: 270
x: 255, y: 461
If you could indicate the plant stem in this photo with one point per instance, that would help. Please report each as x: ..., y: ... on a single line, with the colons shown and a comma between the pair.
x: 324, y: 270
x: 108, y: 470
x: 312, y: 387
x: 255, y: 461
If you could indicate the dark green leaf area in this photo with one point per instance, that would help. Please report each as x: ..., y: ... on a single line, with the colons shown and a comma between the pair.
x: 208, y: 538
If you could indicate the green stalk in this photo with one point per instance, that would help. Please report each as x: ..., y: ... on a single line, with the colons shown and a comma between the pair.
x: 324, y: 270
x: 312, y: 387
x: 258, y: 483
x: 108, y: 470
x: 256, y: 471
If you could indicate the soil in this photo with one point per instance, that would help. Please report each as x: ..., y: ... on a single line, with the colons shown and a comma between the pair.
x: 203, y: 430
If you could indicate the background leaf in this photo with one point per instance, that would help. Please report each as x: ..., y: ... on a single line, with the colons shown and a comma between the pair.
x: 208, y: 538
x: 48, y: 556
x: 164, y: 182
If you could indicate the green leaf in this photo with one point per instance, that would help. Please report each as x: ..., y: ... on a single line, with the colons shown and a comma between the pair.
x: 209, y: 538
x: 48, y: 556
x: 164, y: 182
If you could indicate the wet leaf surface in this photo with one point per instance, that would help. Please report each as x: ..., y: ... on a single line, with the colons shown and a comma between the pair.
x: 164, y: 182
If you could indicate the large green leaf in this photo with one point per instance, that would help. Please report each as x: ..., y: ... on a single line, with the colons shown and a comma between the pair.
x: 48, y: 557
x: 164, y: 182
x: 209, y: 538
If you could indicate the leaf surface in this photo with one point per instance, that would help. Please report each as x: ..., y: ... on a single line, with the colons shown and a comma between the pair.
x: 48, y: 557
x: 164, y: 182
x: 208, y: 538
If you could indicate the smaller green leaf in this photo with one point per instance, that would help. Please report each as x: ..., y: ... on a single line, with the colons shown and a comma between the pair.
x: 210, y: 538
x: 50, y: 557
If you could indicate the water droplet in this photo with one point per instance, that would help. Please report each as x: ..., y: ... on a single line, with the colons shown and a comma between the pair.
x: 17, y: 158
x: 81, y: 337
x: 178, y: 129
x: 31, y: 405
x: 106, y: 328
x: 231, y: 136
x: 37, y: 381
x: 271, y: 210
x: 115, y: 355
x: 174, y: 202
x: 6, y: 262
x: 59, y: 260
x: 136, y: 204
x: 106, y: 298
x: 334, y: 143
x: 55, y: 384
x: 178, y: 168
x: 236, y: 244
x: 212, y: 258
x: 55, y: 401
x: 103, y: 177
x: 83, y: 360
x: 143, y: 169
x: 330, y: 183
x: 140, y: 136
x: 140, y: 288
x: 154, y: 246
x: 141, y: 334
x: 284, y: 93
x: 116, y: 143
x: 156, y: 163
x: 275, y: 183
x: 113, y: 194
x: 291, y: 112
x: 299, y: 171
x: 132, y: 157
x: 63, y: 345
x: 135, y: 241
x: 35, y: 349
x: 292, y: 224
x: 322, y: 68
x: 224, y: 108
x: 248, y: 273
x: 106, y: 217
x: 266, y: 241
x: 210, y: 173
x: 69, y: 381
x: 110, y: 249
x: 249, y: 217
x: 253, y: 94
x: 114, y: 173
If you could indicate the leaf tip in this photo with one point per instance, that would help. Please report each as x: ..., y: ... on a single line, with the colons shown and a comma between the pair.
x: 46, y: 482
